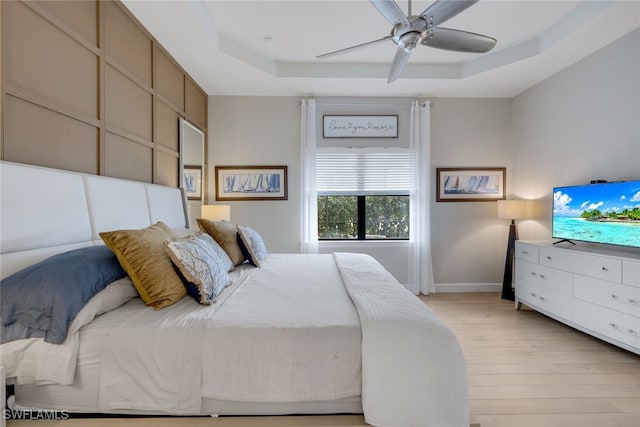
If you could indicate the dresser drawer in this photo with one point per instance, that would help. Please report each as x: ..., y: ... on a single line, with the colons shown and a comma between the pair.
x: 542, y: 298
x: 526, y: 252
x: 556, y: 280
x: 625, y: 299
x: 631, y: 273
x: 600, y: 267
x: 618, y: 326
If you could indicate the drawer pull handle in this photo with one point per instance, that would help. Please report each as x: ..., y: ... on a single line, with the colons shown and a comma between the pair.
x: 533, y: 273
x: 605, y: 269
x: 631, y: 331
x: 632, y: 301
x: 613, y: 325
x: 533, y: 295
x: 548, y: 257
x: 542, y: 276
x: 525, y: 252
x: 541, y: 298
x: 614, y: 296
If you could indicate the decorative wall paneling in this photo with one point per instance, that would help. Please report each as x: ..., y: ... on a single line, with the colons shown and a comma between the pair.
x: 86, y: 88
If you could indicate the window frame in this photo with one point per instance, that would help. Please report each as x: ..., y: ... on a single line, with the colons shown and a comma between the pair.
x: 361, y: 217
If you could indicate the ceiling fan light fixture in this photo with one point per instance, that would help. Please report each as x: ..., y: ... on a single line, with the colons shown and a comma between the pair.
x: 409, y: 41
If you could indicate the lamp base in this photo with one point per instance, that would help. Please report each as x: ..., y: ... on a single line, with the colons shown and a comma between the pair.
x: 507, y: 283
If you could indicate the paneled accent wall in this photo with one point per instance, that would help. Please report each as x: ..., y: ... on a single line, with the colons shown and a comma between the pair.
x: 86, y: 88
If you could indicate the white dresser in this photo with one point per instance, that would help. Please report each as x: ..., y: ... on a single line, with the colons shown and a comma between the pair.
x: 593, y: 289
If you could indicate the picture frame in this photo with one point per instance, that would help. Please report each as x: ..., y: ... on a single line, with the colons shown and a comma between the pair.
x: 469, y: 184
x: 193, y: 181
x: 251, y: 183
x: 358, y: 126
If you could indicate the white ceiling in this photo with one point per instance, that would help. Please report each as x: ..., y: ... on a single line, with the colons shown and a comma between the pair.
x: 266, y: 47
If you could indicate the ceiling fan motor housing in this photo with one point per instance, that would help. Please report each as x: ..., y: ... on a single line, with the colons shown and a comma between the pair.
x: 408, y: 35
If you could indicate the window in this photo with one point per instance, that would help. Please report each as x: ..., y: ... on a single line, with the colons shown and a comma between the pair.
x: 363, y: 193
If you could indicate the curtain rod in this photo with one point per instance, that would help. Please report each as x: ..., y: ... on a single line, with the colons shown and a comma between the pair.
x: 361, y: 104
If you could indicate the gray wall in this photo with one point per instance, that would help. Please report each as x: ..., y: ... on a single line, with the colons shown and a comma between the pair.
x: 581, y: 124
x: 266, y: 131
x: 259, y: 131
x: 468, y: 241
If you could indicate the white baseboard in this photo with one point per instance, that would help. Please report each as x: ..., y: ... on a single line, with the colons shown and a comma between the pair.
x: 468, y: 287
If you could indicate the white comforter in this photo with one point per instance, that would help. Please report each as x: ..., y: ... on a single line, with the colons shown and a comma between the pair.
x: 286, y: 332
x: 413, y: 370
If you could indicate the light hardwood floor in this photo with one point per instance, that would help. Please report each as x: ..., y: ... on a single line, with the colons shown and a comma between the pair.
x: 524, y: 370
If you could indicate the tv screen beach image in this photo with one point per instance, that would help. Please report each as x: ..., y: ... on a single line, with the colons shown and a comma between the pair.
x: 600, y: 213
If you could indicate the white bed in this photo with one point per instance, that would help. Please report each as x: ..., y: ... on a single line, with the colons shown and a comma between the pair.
x: 307, y: 334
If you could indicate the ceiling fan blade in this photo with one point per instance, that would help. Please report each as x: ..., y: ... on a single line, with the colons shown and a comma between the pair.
x: 399, y: 62
x: 390, y: 10
x: 443, y: 10
x: 458, y: 40
x: 347, y: 49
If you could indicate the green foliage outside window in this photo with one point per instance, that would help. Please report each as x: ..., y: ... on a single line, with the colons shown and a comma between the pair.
x: 338, y: 217
x: 385, y: 217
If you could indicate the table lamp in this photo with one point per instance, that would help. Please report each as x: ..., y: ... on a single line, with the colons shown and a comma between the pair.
x: 216, y: 212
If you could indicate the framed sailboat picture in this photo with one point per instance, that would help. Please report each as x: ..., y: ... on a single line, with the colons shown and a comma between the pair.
x: 470, y: 184
x: 251, y: 183
x: 193, y: 182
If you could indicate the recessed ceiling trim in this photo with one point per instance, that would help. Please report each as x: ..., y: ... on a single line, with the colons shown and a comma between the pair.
x: 248, y: 56
x: 580, y: 16
x: 222, y: 64
x: 342, y: 70
x: 503, y: 57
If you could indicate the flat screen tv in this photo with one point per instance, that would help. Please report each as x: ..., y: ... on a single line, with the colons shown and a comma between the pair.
x: 598, y: 213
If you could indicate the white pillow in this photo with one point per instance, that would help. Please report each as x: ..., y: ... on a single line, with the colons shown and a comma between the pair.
x: 251, y: 244
x: 203, y: 264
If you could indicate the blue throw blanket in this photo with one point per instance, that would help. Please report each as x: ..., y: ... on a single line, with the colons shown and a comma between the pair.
x: 42, y: 300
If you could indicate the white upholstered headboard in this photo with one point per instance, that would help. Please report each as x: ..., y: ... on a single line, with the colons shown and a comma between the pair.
x: 47, y: 211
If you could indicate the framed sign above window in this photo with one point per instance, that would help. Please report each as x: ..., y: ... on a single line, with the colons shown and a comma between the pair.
x: 377, y: 126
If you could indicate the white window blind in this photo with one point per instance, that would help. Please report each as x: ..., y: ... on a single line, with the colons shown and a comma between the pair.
x: 363, y: 171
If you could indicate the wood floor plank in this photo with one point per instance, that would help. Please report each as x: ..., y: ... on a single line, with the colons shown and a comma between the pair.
x: 629, y: 404
x: 553, y: 391
x: 559, y: 420
x: 555, y: 379
x: 543, y: 406
x: 526, y: 369
x: 523, y: 368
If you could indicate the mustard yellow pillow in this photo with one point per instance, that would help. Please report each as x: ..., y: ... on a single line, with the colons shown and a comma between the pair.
x: 142, y: 255
x: 226, y: 235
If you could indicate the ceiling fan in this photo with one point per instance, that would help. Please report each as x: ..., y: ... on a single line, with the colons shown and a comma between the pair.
x: 410, y: 30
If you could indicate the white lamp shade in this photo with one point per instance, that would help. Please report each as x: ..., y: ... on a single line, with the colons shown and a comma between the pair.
x: 512, y: 209
x: 216, y: 212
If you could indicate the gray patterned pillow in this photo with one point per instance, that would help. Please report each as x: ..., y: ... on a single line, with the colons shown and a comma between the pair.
x: 251, y: 244
x: 203, y: 264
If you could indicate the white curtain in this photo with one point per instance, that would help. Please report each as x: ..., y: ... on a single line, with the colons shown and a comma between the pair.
x: 309, y: 194
x: 420, y: 267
